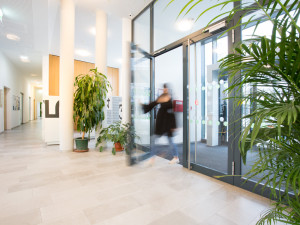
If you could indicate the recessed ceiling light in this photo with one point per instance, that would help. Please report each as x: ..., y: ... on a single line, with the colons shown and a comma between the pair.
x: 82, y: 52
x: 93, y: 31
x: 24, y: 58
x: 119, y: 60
x: 13, y: 37
x: 185, y: 24
x: 34, y: 75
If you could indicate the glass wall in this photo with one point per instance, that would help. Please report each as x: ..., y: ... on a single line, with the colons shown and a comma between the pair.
x: 140, y: 94
x: 168, y: 28
x: 169, y: 69
x: 208, y: 109
x: 141, y: 28
x: 248, y: 33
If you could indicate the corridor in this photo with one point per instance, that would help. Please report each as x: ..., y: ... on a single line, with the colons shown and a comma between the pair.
x: 42, y: 186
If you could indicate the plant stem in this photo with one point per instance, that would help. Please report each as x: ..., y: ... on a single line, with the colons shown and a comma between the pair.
x: 83, y: 133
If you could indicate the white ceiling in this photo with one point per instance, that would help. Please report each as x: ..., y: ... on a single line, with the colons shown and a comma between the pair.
x: 36, y: 22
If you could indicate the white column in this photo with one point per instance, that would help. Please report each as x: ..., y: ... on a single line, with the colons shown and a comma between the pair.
x: 66, y: 75
x: 126, y: 70
x: 101, y: 42
x: 45, y: 79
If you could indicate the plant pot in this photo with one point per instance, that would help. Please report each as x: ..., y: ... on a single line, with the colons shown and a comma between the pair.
x: 81, y: 145
x: 118, y: 147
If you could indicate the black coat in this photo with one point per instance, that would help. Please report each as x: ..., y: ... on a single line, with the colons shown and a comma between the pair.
x: 165, y: 119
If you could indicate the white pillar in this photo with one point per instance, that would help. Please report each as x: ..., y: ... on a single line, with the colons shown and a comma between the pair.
x: 45, y: 79
x: 101, y: 42
x: 126, y: 70
x: 66, y: 75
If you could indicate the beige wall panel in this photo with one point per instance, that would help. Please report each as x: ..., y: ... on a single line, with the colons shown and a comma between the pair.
x: 80, y: 67
x: 116, y: 81
x: 53, y: 75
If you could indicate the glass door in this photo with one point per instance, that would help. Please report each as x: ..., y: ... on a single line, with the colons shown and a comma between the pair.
x: 140, y: 94
x: 209, y: 149
x: 169, y: 70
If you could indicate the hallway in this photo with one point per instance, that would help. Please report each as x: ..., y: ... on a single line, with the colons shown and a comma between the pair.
x: 42, y: 186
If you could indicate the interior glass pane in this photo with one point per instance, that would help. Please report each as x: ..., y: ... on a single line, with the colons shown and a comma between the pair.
x: 252, y: 155
x: 208, y: 105
x: 169, y: 69
x: 140, y: 93
x: 168, y: 28
x: 141, y: 26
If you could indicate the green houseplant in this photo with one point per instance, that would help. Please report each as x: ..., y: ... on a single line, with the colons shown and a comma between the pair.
x: 271, y: 67
x: 89, y: 101
x: 118, y: 133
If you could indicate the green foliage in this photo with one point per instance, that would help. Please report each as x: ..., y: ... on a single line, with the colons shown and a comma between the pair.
x: 118, y: 133
x: 265, y: 76
x: 89, y: 100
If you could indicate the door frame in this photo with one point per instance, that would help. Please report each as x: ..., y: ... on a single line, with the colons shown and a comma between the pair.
x: 133, y: 159
x: 234, y: 159
x: 6, y: 104
x: 22, y: 107
x: 197, y: 167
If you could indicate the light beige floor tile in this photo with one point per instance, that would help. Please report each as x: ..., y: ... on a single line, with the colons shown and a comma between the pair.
x: 113, y: 208
x: 58, y: 211
x: 205, y: 208
x: 217, y: 220
x: 175, y: 218
x: 22, y: 206
x: 242, y: 210
x: 29, y: 218
x: 139, y: 216
x: 77, y: 218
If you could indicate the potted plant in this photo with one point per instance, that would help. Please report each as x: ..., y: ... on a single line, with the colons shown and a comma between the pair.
x: 271, y: 66
x: 118, y: 133
x: 89, y: 102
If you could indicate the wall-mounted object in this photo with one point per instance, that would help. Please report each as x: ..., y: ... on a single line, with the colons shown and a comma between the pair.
x: 177, y: 105
x: 47, y: 112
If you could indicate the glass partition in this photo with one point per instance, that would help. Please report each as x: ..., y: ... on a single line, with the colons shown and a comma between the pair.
x: 168, y: 28
x: 208, y: 109
x: 248, y: 33
x: 169, y: 69
x: 141, y: 26
x: 140, y: 94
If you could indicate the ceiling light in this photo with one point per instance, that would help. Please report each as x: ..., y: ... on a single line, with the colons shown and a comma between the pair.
x: 1, y: 15
x: 185, y: 24
x: 119, y: 60
x: 24, y: 58
x: 34, y: 75
x: 13, y: 37
x: 93, y: 31
x: 82, y: 52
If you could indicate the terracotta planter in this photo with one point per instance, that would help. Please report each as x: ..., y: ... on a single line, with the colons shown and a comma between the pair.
x: 118, y: 147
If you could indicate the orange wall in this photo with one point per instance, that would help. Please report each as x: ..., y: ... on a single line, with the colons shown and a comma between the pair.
x: 79, y: 68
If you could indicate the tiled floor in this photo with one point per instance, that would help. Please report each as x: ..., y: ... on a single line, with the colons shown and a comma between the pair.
x: 42, y: 186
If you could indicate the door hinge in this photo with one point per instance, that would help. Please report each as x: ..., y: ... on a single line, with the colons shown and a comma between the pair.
x: 232, y: 33
x: 232, y: 167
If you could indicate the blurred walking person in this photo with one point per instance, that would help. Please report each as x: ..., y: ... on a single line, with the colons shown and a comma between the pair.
x: 165, y: 123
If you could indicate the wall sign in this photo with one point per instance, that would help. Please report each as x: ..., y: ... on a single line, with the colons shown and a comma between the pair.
x: 47, y: 114
x: 113, y: 109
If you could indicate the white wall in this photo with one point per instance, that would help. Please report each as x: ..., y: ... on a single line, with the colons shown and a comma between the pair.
x: 12, y: 78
